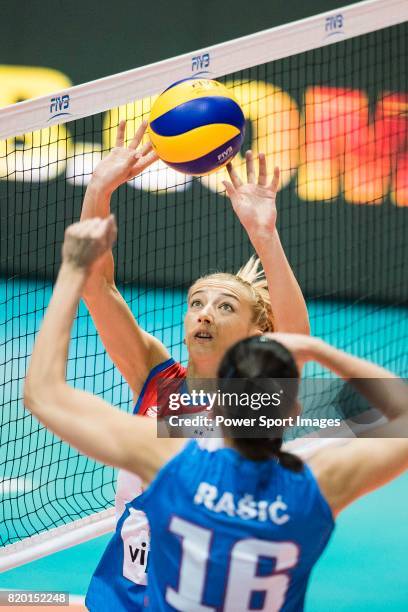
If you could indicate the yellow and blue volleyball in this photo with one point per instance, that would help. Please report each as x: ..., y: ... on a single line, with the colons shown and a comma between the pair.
x: 196, y: 126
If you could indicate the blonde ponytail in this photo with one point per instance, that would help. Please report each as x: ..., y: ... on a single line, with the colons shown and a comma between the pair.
x: 253, y: 277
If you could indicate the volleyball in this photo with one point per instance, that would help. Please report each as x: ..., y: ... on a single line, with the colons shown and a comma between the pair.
x: 196, y: 126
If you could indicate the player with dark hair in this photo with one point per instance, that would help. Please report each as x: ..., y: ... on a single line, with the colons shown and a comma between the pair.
x: 222, y: 309
x: 232, y: 529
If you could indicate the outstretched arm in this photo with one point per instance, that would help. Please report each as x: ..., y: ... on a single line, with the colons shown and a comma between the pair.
x: 83, y: 420
x: 255, y: 205
x: 133, y: 350
x: 347, y: 472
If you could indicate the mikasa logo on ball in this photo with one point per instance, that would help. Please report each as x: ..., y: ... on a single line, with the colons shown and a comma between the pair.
x: 225, y: 154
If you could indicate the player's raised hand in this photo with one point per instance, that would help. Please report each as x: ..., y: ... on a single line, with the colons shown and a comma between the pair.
x: 124, y: 163
x: 303, y: 347
x: 86, y: 241
x: 300, y: 345
x: 254, y: 202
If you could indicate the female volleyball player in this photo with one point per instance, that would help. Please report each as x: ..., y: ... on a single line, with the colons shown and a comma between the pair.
x: 134, y: 351
x: 238, y: 528
x: 217, y: 317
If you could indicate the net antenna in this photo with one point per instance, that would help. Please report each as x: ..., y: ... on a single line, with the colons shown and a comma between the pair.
x: 308, y: 89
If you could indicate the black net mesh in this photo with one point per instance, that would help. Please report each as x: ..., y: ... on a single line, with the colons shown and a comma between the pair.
x: 334, y: 119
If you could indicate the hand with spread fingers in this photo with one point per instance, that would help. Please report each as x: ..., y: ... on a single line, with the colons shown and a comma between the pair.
x: 124, y: 163
x: 254, y: 202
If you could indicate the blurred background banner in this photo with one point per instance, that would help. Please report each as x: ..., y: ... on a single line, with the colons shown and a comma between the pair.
x: 334, y: 119
x: 90, y: 40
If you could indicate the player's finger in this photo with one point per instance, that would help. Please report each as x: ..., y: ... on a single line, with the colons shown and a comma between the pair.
x: 275, y: 180
x: 263, y: 176
x: 235, y: 180
x: 120, y: 136
x: 137, y: 138
x: 144, y: 162
x: 73, y: 227
x: 96, y: 229
x: 249, y: 158
x: 82, y: 229
x: 144, y: 149
x: 105, y: 233
x: 229, y: 188
x: 99, y: 230
x: 88, y: 224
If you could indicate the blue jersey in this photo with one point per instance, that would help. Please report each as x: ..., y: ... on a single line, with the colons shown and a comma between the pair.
x: 229, y: 534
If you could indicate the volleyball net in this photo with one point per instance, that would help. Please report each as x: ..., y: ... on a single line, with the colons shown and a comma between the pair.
x: 326, y: 99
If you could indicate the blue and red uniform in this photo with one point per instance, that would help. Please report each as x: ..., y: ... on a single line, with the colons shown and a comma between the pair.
x: 119, y: 581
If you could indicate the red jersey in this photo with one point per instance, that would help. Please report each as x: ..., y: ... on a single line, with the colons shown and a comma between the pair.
x: 147, y: 404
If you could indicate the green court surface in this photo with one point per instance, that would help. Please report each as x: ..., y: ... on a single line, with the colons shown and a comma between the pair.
x: 364, y: 567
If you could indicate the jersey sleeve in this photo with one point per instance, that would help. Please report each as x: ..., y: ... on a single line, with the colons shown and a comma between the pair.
x: 147, y: 403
